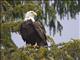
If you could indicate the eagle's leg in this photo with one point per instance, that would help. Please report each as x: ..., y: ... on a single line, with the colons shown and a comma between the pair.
x: 36, y: 46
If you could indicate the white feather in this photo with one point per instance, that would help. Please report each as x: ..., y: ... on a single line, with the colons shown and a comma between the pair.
x: 30, y: 15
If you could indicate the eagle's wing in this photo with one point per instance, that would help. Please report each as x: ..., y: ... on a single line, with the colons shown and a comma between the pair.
x: 42, y: 26
x: 40, y: 29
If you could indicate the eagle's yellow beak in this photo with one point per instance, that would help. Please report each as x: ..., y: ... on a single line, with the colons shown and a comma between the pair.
x: 34, y: 13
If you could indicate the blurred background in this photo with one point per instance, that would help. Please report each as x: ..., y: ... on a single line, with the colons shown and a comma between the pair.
x: 61, y: 19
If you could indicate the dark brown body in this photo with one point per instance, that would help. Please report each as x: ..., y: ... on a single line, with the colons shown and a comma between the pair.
x: 33, y: 32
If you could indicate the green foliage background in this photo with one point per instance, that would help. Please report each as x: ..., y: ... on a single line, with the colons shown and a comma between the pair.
x: 9, y: 51
x: 11, y: 16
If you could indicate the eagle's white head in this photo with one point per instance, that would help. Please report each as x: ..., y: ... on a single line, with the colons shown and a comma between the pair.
x: 30, y: 15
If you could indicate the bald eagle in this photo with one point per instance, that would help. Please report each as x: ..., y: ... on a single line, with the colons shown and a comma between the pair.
x: 32, y: 31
